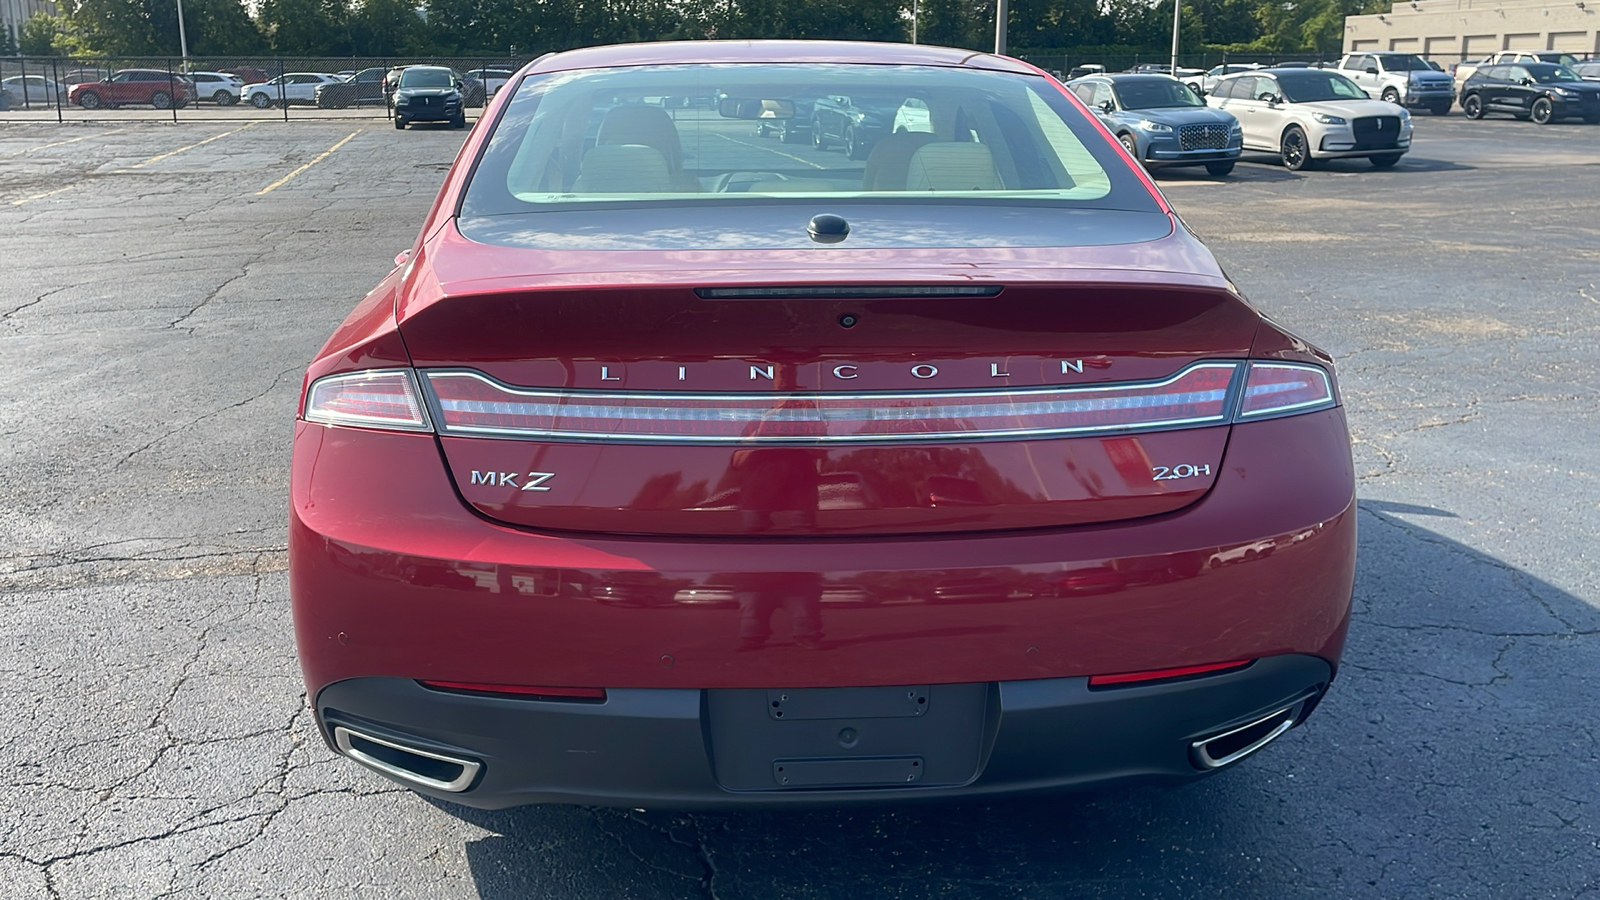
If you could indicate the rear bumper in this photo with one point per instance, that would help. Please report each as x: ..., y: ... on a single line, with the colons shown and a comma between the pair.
x: 681, y: 749
x: 392, y: 575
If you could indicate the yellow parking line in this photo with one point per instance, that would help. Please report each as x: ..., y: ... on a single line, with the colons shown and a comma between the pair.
x: 320, y: 157
x: 153, y: 159
x: 62, y: 143
x: 42, y: 196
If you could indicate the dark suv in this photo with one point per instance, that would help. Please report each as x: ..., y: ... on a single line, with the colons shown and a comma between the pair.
x: 429, y: 94
x: 1543, y: 92
x: 163, y: 90
x: 362, y: 88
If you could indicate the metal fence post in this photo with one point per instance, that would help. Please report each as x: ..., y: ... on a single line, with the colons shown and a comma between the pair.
x: 55, y: 82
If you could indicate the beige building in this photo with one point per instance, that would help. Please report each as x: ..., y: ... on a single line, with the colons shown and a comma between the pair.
x: 1452, y: 30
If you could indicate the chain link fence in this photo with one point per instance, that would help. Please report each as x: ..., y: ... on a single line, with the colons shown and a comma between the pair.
x: 62, y: 89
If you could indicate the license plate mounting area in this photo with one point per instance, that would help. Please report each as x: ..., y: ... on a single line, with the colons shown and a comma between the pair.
x: 847, y: 738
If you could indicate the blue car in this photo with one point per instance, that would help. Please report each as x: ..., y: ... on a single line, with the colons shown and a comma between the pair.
x: 1162, y: 122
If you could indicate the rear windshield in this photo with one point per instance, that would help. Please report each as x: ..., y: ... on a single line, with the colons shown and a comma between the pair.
x: 739, y: 132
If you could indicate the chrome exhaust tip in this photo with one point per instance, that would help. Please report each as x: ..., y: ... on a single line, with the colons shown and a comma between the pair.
x: 1236, y: 743
x: 415, y: 765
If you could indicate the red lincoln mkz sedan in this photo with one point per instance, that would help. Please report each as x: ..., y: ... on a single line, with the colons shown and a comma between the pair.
x: 681, y: 467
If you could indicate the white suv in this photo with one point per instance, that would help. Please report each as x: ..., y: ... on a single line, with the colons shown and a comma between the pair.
x: 1307, y: 115
x: 289, y: 88
x: 221, y: 88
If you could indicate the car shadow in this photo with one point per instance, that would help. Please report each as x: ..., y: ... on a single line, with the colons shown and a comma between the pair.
x: 1455, y: 756
x: 1411, y: 162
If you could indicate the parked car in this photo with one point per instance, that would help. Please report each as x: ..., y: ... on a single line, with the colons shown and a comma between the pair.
x: 1162, y: 122
x: 492, y: 79
x: 35, y: 90
x: 1208, y: 81
x: 1542, y: 92
x: 248, y: 74
x: 1194, y: 78
x: 82, y: 76
x: 791, y: 129
x: 221, y: 88
x: 1404, y: 79
x: 1588, y: 70
x: 429, y: 94
x: 1083, y: 69
x: 854, y: 123
x: 363, y: 88
x: 1309, y: 115
x: 733, y: 410
x: 1461, y: 71
x: 157, y: 87
x: 287, y: 89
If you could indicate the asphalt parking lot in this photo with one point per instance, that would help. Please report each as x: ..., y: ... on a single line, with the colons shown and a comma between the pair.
x: 165, y: 285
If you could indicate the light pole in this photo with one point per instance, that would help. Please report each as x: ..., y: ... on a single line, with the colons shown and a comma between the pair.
x: 183, y: 38
x: 1176, y: 6
x: 1002, y: 11
x: 913, y: 21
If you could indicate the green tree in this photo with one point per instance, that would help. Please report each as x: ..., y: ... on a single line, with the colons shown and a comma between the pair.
x: 305, y: 27
x: 39, y: 34
x: 387, y: 28
x: 220, y: 28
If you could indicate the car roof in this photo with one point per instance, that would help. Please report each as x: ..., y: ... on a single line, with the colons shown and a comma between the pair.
x: 670, y: 52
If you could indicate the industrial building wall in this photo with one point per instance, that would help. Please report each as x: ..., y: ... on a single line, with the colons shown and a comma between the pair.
x: 1452, y: 30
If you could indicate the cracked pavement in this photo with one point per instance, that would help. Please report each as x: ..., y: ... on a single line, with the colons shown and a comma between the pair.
x: 156, y: 743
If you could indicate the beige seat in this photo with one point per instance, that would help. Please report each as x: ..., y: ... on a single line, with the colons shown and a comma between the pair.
x: 652, y: 127
x: 624, y: 169
x: 890, y: 159
x: 953, y: 166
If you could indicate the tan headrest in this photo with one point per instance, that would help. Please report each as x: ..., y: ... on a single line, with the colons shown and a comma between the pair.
x: 647, y: 125
x: 886, y: 166
x: 953, y: 166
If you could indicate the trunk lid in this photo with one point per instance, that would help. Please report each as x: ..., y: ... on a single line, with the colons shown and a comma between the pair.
x: 882, y: 409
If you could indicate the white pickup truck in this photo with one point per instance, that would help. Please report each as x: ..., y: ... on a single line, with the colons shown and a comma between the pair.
x: 1401, y: 78
x: 1462, y: 71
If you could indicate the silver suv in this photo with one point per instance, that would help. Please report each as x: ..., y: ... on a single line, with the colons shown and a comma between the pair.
x: 1405, y: 79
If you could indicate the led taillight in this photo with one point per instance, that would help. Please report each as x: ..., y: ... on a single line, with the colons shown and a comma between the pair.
x: 376, y: 398
x: 471, y: 403
x: 1275, y: 388
x: 1166, y: 674
x: 529, y: 691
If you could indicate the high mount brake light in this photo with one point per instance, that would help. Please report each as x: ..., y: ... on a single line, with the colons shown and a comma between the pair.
x: 1279, y: 388
x: 376, y: 398
x: 472, y: 404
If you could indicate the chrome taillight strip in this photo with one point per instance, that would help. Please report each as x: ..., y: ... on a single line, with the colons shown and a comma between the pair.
x: 754, y: 409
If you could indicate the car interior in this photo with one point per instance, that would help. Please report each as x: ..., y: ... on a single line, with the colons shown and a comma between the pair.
x: 620, y: 134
